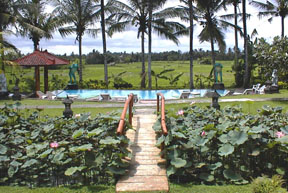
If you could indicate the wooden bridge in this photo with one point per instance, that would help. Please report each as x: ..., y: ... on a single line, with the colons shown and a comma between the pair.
x: 147, y: 170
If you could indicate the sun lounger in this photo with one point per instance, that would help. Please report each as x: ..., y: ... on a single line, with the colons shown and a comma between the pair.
x: 184, y: 95
x: 105, y: 97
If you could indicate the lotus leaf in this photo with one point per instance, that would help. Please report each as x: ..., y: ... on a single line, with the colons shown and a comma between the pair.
x: 58, y: 157
x: 109, y: 141
x: 160, y: 140
x: 231, y: 175
x: 95, y: 132
x: 117, y: 170
x: 226, y: 149
x: 207, y: 177
x: 11, y: 171
x: 81, y: 148
x: 72, y: 170
x: 215, y: 166
x: 171, y: 170
x: 259, y: 129
x: 3, y: 149
x: 78, y: 133
x: 255, y: 152
x: 285, y: 129
x: 178, y: 134
x: 237, y: 137
x: 200, y: 165
x: 200, y: 141
x: 29, y: 163
x: 48, y: 128
x: 283, y: 139
x: 15, y: 163
x: 178, y: 162
x: 223, y: 138
x: 4, y: 158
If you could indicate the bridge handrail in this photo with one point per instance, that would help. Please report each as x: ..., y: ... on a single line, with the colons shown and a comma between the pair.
x: 163, y: 124
x: 128, y: 103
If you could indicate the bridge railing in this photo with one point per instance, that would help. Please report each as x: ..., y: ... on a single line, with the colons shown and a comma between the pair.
x: 128, y: 104
x: 163, y: 124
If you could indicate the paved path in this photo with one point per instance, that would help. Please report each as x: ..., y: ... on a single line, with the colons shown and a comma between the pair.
x: 147, y: 170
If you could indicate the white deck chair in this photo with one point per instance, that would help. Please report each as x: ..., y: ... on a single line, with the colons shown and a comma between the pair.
x: 105, y: 97
x: 261, y: 90
x: 184, y: 95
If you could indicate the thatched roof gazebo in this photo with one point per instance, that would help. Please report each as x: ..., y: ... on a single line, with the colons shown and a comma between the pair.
x: 41, y: 58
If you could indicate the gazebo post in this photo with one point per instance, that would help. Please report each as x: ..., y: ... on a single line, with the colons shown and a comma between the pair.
x: 37, y: 78
x: 46, y: 88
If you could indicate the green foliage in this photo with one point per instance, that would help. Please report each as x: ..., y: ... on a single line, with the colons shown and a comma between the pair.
x: 272, y: 56
x: 205, y: 60
x: 57, y: 83
x: 93, y: 84
x: 203, y: 81
x: 27, y: 84
x: 268, y: 185
x: 55, y: 151
x: 227, y: 146
x: 119, y: 82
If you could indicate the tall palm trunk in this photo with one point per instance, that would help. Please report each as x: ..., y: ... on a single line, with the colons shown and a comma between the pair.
x: 149, y: 45
x: 236, y: 35
x: 104, y: 43
x: 2, y: 49
x: 191, y: 43
x: 247, y: 69
x: 212, y: 54
x: 143, y: 75
x: 80, y: 58
x: 282, y: 24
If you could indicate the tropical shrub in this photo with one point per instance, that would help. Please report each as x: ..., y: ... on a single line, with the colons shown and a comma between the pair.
x: 93, y: 84
x: 225, y: 146
x: 43, y: 151
x: 268, y: 185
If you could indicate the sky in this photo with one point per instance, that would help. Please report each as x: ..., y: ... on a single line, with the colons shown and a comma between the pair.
x: 127, y: 41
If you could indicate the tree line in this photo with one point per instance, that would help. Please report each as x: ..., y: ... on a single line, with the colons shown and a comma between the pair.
x: 80, y: 16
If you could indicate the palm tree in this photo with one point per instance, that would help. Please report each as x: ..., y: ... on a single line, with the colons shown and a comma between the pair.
x: 212, y: 26
x: 104, y: 42
x: 190, y: 16
x: 246, y: 64
x: 79, y: 14
x: 32, y: 13
x: 137, y: 14
x: 273, y: 8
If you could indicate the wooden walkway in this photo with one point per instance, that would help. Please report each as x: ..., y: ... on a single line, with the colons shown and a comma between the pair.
x: 147, y: 169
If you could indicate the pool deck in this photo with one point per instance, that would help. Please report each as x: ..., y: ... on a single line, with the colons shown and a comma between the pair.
x: 147, y: 103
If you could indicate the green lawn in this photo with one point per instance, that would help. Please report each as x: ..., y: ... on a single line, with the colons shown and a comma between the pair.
x: 174, y: 188
x: 132, y: 74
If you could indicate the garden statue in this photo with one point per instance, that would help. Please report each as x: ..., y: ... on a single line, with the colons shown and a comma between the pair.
x: 218, y: 70
x: 72, y: 69
x: 274, y: 78
x: 3, y: 83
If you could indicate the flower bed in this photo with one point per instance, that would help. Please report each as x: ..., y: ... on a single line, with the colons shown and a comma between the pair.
x: 227, y: 146
x: 59, y: 151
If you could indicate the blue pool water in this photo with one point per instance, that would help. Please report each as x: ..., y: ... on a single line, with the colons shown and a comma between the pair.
x: 142, y: 94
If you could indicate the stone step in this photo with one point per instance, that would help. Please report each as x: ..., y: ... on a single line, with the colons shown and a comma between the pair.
x: 142, y: 179
x: 149, y: 186
x: 145, y: 172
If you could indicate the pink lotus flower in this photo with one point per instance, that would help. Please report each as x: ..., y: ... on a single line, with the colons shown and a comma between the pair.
x: 180, y: 112
x: 203, y: 133
x: 280, y: 134
x: 54, y: 144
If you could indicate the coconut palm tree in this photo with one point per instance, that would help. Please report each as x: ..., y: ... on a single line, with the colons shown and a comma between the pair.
x: 78, y: 15
x: 190, y: 16
x: 137, y: 14
x: 212, y: 25
x: 273, y: 8
x: 33, y: 13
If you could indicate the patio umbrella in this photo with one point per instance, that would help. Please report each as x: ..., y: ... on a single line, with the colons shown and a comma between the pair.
x: 39, y: 59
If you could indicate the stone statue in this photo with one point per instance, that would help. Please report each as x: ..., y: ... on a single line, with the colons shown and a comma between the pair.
x: 3, y: 82
x: 218, y: 70
x: 72, y: 69
x: 274, y: 78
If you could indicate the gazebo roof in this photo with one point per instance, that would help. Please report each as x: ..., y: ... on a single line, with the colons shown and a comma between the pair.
x: 41, y: 58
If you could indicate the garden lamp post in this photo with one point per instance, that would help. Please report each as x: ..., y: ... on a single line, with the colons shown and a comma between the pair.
x: 215, y: 96
x: 67, y: 113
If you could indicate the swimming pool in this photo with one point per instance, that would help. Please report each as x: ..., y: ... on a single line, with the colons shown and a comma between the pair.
x: 142, y: 94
